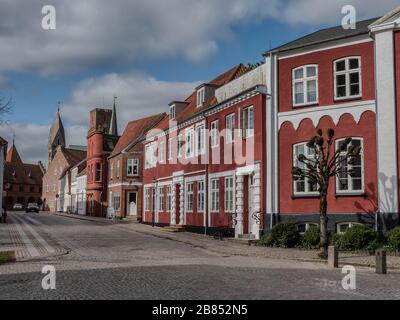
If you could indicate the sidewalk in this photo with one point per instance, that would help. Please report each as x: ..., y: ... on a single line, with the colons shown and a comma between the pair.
x: 232, y: 248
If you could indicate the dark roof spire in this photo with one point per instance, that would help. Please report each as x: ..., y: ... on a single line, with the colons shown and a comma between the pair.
x: 113, y: 124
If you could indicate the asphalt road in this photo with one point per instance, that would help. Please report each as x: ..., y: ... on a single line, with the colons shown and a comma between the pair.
x: 97, y: 261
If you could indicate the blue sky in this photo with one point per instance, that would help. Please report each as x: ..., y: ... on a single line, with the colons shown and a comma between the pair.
x: 148, y: 53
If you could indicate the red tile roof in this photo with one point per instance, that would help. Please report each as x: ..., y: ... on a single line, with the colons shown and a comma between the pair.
x: 191, y: 109
x: 22, y: 173
x: 13, y: 155
x: 136, y: 130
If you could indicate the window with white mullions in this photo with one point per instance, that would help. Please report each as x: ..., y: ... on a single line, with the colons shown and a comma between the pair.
x: 169, y: 198
x: 347, y: 78
x: 248, y: 122
x: 230, y: 128
x: 214, y: 134
x: 305, y: 85
x: 200, y: 196
x: 303, y: 186
x: 189, y: 197
x: 200, y: 139
x: 214, y: 185
x: 147, y: 199
x: 351, y: 175
x: 160, y: 199
x: 189, y: 143
x: 132, y: 167
x: 229, y: 194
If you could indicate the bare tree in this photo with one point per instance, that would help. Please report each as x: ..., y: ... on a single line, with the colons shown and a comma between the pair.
x: 319, y: 169
x: 5, y: 108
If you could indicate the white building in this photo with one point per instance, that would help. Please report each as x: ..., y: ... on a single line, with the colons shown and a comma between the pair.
x: 81, y: 192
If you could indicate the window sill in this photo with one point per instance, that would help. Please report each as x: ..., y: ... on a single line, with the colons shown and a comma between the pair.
x: 347, y: 98
x: 311, y: 104
x: 350, y: 194
x: 305, y: 196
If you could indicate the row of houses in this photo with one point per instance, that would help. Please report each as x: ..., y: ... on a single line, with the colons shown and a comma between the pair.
x: 222, y: 158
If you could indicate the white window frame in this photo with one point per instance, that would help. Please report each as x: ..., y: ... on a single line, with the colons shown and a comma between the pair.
x: 170, y: 146
x: 189, y: 197
x: 305, y: 80
x: 347, y: 73
x: 147, y: 199
x: 118, y: 168
x: 172, y: 112
x: 230, y: 128
x: 350, y: 189
x: 200, y: 97
x: 200, y: 139
x: 247, y: 131
x: 160, y: 199
x: 307, y: 191
x: 351, y: 224
x: 112, y: 170
x: 214, y: 134
x: 179, y: 146
x: 132, y: 163
x: 214, y: 195
x: 308, y: 225
x: 115, y: 196
x: 200, y: 196
x: 150, y: 161
x: 161, y: 152
x: 169, y: 199
x: 229, y: 195
x: 189, y: 143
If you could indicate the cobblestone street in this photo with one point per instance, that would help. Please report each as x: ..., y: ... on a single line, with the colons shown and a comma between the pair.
x: 103, y: 260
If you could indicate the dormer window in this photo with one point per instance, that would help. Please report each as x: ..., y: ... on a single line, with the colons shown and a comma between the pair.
x: 172, y: 112
x: 200, y: 97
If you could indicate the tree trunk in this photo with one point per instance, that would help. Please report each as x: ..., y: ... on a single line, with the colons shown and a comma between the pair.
x: 323, y: 225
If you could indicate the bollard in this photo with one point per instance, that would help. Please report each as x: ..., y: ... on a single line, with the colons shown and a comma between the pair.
x: 333, y: 257
x: 380, y: 262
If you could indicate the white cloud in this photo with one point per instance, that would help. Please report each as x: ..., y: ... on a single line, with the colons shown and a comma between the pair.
x: 315, y: 12
x: 94, y: 33
x: 139, y: 95
x: 31, y: 140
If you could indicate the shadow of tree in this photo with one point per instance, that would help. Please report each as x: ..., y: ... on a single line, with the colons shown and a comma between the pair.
x: 384, y: 214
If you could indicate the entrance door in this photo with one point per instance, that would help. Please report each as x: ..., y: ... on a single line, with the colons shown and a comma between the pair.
x: 132, y: 204
x: 252, y: 221
x: 177, y: 203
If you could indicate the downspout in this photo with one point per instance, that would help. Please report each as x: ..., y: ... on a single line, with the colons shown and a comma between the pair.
x: 206, y: 166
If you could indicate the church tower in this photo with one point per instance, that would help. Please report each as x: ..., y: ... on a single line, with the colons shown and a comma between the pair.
x: 56, y: 136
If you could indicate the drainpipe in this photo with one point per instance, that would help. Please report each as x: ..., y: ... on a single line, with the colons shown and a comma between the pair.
x: 206, y: 165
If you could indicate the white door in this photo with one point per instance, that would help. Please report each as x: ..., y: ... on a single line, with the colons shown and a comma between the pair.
x: 132, y: 203
x: 253, y: 227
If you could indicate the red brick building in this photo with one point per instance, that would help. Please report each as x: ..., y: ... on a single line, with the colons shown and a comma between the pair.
x: 101, y: 140
x: 22, y: 181
x: 204, y: 165
x: 126, y: 169
x: 346, y: 80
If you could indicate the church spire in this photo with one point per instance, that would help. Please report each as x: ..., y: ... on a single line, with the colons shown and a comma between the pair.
x: 56, y: 135
x: 113, y: 124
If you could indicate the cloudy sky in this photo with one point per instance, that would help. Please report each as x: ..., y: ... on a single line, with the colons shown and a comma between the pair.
x: 147, y: 52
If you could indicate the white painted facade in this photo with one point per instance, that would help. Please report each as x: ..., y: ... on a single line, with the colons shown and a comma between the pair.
x: 81, y: 194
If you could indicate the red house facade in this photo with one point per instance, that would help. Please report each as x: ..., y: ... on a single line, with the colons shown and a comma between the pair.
x: 345, y: 80
x: 204, y: 165
x: 101, y: 140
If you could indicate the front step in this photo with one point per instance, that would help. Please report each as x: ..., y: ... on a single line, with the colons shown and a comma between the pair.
x: 247, y: 236
x: 174, y: 228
